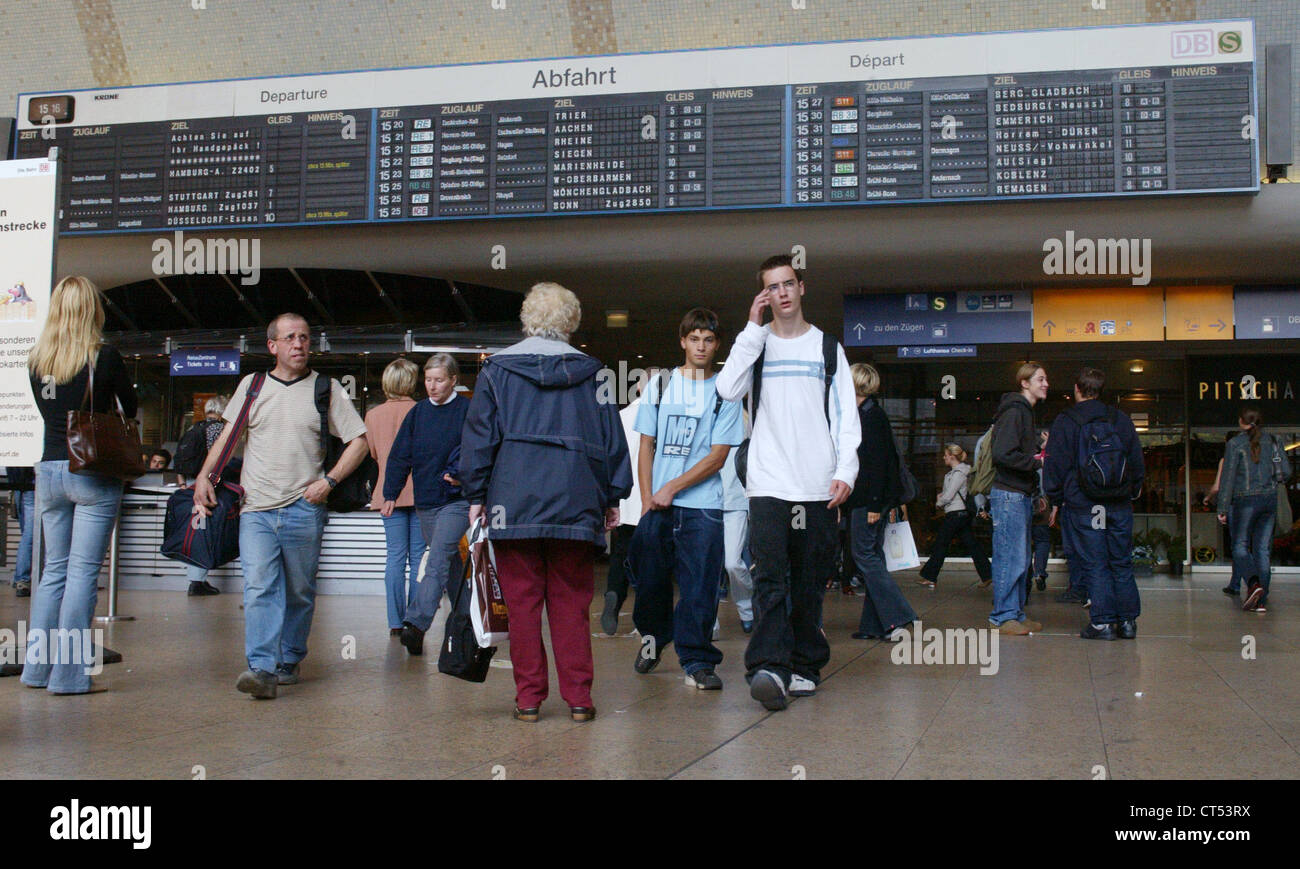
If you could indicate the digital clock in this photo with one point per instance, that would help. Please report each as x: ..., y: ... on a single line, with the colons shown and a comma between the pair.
x: 59, y: 108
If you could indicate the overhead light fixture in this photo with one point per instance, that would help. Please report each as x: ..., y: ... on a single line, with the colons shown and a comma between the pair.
x: 1136, y: 367
x: 616, y: 318
x: 478, y: 349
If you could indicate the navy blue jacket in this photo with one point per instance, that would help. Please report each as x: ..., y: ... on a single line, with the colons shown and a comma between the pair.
x: 1061, y: 470
x: 426, y: 447
x: 540, y: 451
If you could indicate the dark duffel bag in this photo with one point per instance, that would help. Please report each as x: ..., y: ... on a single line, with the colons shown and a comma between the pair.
x: 461, y: 656
x: 203, y: 541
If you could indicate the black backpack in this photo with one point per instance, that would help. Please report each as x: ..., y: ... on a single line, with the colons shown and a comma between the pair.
x: 1104, y: 473
x: 355, y: 490
x: 830, y: 362
x: 192, y: 450
x: 461, y: 655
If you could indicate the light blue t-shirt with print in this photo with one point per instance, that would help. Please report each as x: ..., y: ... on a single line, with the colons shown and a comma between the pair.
x: 685, y: 429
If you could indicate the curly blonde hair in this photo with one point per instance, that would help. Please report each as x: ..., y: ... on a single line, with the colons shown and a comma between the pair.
x: 550, y: 311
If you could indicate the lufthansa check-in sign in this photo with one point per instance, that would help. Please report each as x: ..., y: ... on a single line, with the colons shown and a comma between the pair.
x: 196, y: 363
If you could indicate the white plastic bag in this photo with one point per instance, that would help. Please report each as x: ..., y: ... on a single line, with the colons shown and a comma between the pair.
x: 487, y: 608
x: 900, y: 548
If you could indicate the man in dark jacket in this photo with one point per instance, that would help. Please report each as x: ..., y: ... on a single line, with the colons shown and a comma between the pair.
x: 1101, y: 525
x: 546, y: 462
x: 1016, y: 459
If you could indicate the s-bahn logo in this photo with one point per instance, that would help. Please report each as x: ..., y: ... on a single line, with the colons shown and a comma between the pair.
x: 1202, y: 43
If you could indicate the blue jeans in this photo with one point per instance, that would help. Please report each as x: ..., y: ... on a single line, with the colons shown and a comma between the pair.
x: 687, y: 542
x: 25, y: 502
x: 279, y: 550
x: 77, y: 513
x: 1012, y: 513
x: 884, y: 607
x: 1105, y: 557
x: 405, y: 545
x: 1253, y: 517
x: 442, y: 528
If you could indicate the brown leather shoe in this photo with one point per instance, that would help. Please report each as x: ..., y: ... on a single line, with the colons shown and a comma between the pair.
x: 1012, y: 628
x: 1032, y: 626
x: 583, y: 713
x: 529, y: 714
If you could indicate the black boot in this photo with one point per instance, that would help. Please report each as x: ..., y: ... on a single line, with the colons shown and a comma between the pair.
x: 412, y: 638
x: 201, y: 589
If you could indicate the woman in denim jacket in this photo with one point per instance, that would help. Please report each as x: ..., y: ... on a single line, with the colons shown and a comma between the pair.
x: 1254, y: 464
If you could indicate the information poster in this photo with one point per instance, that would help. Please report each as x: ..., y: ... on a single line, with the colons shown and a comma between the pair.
x: 27, y: 227
x: 1099, y: 315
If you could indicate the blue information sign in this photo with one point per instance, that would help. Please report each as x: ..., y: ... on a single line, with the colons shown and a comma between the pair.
x: 948, y: 319
x: 967, y: 350
x: 194, y: 363
x: 1267, y: 312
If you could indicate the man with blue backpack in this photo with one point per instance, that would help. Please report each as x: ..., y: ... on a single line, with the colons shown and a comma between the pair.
x: 1093, y: 471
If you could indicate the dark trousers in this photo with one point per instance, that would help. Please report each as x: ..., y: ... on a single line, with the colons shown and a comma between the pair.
x: 556, y: 575
x: 955, y: 524
x: 1069, y: 550
x: 793, y: 544
x: 686, y: 543
x: 884, y: 607
x: 616, y: 579
x: 1106, y: 556
x: 1042, y: 537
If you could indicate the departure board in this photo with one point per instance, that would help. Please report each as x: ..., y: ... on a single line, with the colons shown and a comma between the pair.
x: 1158, y: 109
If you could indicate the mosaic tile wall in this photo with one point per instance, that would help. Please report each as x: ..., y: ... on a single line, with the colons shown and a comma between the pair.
x: 58, y: 44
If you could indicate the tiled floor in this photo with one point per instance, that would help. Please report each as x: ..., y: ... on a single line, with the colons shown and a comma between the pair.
x: 1181, y: 701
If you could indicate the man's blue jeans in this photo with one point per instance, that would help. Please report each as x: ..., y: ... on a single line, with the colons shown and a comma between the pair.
x: 442, y: 528
x: 405, y: 545
x: 688, y: 542
x: 279, y: 550
x: 1253, y: 518
x: 26, y: 508
x: 1105, y: 556
x: 77, y: 513
x: 1012, y: 513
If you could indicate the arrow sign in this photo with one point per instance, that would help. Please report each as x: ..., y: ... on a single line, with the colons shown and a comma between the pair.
x: 194, y: 363
x: 858, y: 327
x: 1220, y: 325
x: 178, y: 367
x: 1049, y: 325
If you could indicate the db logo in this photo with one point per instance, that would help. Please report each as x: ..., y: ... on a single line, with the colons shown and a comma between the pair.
x: 1194, y: 43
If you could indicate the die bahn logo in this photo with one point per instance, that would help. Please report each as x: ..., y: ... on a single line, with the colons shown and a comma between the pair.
x: 1202, y: 42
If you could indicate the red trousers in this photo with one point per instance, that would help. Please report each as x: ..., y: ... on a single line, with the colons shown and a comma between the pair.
x: 560, y: 575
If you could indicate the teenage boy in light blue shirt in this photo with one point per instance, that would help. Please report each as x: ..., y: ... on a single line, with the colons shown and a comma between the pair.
x: 686, y: 433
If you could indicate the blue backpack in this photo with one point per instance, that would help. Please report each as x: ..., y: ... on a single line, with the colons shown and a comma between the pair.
x: 1104, y: 473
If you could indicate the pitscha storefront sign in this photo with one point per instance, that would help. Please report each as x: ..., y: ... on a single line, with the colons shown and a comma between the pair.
x: 1221, y: 385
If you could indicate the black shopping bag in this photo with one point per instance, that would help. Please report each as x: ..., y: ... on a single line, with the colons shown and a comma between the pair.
x: 461, y: 656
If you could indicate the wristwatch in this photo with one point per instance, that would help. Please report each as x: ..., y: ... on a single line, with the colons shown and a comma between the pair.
x: 333, y: 482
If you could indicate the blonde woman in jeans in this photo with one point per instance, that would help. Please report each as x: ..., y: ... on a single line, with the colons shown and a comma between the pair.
x: 77, y: 511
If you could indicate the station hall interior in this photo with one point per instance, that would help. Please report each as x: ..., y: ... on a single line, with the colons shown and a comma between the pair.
x: 1172, y: 705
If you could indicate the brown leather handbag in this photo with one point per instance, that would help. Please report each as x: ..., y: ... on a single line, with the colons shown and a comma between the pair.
x: 107, y: 444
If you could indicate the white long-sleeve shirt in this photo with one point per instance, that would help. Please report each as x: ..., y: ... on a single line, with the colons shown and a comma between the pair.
x: 793, y: 454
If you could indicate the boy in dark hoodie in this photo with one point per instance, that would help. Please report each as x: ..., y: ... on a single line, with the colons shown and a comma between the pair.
x: 1016, y: 460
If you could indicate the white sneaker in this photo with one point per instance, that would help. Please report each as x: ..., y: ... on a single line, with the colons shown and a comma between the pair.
x: 767, y: 688
x: 801, y: 687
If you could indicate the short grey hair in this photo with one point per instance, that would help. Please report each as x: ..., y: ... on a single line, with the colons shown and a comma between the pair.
x: 273, y: 328
x: 445, y: 361
x: 216, y: 404
x: 550, y: 311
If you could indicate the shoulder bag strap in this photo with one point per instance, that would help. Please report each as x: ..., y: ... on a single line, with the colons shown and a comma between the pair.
x: 254, y: 389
